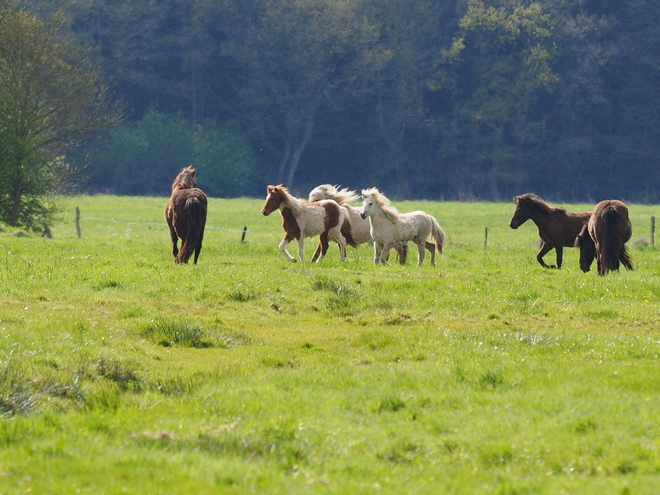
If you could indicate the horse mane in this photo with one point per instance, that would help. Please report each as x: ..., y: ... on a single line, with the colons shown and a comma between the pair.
x: 382, y: 201
x: 185, y: 179
x: 341, y: 196
x: 534, y: 200
x: 294, y: 204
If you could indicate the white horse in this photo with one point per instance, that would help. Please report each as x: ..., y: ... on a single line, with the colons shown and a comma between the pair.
x: 388, y: 227
x: 299, y: 220
x: 360, y: 227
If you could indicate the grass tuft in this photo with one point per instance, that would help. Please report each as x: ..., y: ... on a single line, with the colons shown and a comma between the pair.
x: 175, y: 331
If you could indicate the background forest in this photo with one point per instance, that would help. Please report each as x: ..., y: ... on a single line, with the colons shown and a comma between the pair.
x: 433, y: 99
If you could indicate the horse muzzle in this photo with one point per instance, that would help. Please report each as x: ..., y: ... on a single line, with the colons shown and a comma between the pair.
x: 265, y: 213
x: 363, y: 215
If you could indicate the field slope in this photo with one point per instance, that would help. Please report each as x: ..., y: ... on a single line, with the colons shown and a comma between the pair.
x: 121, y: 372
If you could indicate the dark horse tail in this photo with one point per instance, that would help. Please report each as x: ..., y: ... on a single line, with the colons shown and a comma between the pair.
x: 613, y: 248
x: 348, y: 234
x: 195, y: 210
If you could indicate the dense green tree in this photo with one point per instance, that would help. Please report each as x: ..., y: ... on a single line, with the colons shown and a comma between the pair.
x: 50, y: 98
x: 143, y: 157
x: 433, y: 98
x: 294, y: 59
x: 497, y: 72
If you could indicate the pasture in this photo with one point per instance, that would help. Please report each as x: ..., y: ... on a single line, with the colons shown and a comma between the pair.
x: 123, y: 372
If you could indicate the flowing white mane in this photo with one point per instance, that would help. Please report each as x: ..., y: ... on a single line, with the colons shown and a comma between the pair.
x: 328, y: 191
x: 382, y: 201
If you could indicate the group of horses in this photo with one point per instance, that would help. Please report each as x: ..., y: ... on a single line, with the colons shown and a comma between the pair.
x: 328, y: 214
x: 600, y: 234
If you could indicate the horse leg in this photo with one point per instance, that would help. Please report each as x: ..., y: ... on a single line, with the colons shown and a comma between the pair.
x: 545, y: 247
x: 421, y: 253
x: 198, y: 247
x: 301, y: 249
x: 402, y: 251
x: 317, y: 253
x: 322, y: 247
x: 175, y: 241
x: 560, y: 255
x: 385, y: 251
x: 378, y: 249
x: 341, y: 242
x: 282, y: 246
x: 431, y: 248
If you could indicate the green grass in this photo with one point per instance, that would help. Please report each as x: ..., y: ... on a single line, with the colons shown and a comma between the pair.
x: 121, y: 372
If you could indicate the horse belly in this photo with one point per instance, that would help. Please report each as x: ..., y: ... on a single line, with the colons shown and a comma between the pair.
x: 406, y: 229
x: 313, y: 223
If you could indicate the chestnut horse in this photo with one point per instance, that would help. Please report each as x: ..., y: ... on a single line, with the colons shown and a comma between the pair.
x: 604, y: 238
x: 389, y: 227
x: 299, y: 220
x: 185, y: 215
x: 557, y: 227
x: 360, y: 227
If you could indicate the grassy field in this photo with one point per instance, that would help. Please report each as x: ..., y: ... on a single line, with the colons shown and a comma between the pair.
x: 121, y: 372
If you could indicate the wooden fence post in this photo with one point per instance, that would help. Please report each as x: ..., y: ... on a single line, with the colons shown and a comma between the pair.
x: 244, y: 232
x: 485, y: 237
x: 652, y: 231
x: 78, y: 231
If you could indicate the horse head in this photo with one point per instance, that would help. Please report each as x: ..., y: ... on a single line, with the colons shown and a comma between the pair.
x: 522, y: 213
x: 185, y: 180
x: 587, y: 247
x: 274, y: 198
x: 369, y: 204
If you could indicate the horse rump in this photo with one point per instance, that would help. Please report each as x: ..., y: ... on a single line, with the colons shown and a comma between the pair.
x: 190, y: 227
x: 610, y: 229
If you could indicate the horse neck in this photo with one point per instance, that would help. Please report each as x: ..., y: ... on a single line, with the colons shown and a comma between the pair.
x: 296, y: 206
x: 382, y: 215
x: 539, y: 213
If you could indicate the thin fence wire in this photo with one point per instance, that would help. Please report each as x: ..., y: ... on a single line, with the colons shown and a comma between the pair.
x: 161, y: 224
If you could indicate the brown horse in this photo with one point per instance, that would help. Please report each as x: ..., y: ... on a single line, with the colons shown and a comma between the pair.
x: 557, y: 227
x: 604, y: 238
x: 185, y: 214
x: 299, y: 220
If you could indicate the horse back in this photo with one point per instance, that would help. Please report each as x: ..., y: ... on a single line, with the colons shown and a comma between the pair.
x: 185, y: 202
x: 562, y: 227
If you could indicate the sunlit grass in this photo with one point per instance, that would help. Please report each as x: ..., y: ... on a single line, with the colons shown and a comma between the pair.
x: 123, y: 372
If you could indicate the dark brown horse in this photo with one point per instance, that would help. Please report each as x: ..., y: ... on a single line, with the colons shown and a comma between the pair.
x: 604, y: 238
x: 557, y: 227
x: 185, y: 214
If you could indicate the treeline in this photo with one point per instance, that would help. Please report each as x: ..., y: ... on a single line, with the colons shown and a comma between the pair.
x: 436, y: 99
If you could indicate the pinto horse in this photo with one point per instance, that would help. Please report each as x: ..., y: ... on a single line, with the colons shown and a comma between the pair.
x: 360, y: 227
x: 557, y: 227
x: 389, y: 227
x: 185, y: 215
x: 299, y: 220
x: 604, y: 238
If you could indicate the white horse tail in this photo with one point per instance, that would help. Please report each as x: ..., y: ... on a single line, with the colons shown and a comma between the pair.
x: 438, y: 234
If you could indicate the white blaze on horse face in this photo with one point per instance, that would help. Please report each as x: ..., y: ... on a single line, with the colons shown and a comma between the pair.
x: 366, y: 208
x: 263, y: 210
